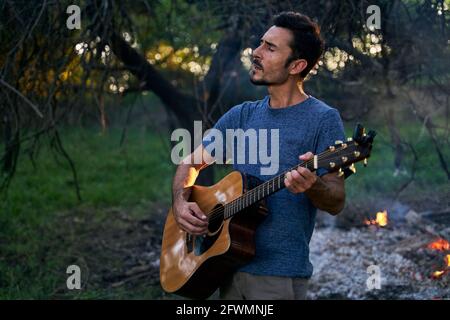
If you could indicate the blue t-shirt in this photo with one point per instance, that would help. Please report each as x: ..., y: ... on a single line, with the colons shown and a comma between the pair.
x: 282, y: 239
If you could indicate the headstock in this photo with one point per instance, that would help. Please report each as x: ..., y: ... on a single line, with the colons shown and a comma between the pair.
x: 342, y: 155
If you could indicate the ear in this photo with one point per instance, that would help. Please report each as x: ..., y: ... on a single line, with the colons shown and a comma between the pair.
x: 297, y: 66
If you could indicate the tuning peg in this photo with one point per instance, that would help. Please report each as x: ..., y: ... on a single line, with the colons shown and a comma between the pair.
x: 356, y: 153
x: 340, y: 172
x: 365, y: 162
x: 344, y: 159
x: 332, y: 164
x: 338, y: 142
x: 358, y: 132
x: 371, y: 135
x: 331, y: 148
x: 352, y: 168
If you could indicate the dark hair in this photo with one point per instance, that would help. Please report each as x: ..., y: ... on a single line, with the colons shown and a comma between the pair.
x: 307, y: 43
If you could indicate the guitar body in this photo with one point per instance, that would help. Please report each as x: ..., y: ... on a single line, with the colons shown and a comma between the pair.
x: 195, y: 266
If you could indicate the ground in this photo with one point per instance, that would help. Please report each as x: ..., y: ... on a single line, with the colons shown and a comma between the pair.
x: 121, y: 252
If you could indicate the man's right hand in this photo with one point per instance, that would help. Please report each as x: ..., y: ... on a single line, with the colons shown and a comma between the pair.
x: 190, y: 218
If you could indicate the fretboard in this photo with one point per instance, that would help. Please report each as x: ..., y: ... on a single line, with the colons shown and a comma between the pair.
x: 260, y: 192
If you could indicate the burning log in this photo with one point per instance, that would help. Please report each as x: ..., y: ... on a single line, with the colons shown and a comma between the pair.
x: 437, y: 274
x: 440, y: 245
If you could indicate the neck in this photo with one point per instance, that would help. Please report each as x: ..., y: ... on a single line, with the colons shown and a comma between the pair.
x: 287, y: 94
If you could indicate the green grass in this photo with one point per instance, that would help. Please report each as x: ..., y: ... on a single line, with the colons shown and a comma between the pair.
x: 35, y: 249
x: 108, y: 174
x: 136, y: 173
x: 378, y: 179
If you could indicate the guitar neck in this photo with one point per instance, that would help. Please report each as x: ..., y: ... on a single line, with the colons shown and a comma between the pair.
x: 264, y: 189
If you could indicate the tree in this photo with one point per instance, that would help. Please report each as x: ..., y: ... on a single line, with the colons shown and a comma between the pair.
x: 189, y: 52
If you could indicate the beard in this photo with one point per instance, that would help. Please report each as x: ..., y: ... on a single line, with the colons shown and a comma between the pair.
x: 260, y: 82
x: 265, y: 82
x: 279, y: 76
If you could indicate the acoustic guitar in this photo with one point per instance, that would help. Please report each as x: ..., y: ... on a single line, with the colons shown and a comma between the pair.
x: 195, y: 266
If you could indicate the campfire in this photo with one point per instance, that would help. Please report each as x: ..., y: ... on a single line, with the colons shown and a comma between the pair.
x: 381, y: 219
x: 441, y: 245
x: 412, y: 249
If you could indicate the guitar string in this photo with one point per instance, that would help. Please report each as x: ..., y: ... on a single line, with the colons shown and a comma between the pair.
x: 233, y: 205
x: 217, y: 213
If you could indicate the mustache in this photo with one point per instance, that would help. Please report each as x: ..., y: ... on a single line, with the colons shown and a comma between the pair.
x: 257, y: 63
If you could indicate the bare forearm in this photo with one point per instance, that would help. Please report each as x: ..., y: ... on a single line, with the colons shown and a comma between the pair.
x: 188, y: 215
x: 185, y: 176
x: 327, y: 195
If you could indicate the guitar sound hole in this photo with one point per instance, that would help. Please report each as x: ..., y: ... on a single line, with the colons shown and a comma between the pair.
x: 202, y: 244
x: 215, y: 218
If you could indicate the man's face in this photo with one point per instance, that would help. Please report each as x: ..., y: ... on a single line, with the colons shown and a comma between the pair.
x: 269, y: 59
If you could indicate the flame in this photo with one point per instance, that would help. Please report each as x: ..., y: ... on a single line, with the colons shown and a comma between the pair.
x: 440, y: 244
x: 437, y: 274
x: 380, y: 220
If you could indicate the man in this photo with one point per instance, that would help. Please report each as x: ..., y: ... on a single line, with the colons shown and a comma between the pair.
x: 307, y: 126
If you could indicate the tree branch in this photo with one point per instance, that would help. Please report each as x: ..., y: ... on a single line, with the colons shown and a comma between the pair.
x: 150, y: 78
x: 23, y: 97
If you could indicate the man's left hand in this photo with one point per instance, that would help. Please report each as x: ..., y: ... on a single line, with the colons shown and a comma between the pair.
x: 302, y: 179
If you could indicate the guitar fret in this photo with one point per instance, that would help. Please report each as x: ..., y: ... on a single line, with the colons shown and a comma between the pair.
x: 259, y: 192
